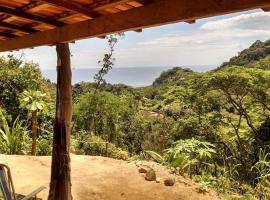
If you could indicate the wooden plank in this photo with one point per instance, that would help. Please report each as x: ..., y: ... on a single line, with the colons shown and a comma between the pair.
x: 73, y: 6
x: 31, y: 5
x: 112, y: 3
x: 19, y: 13
x: 155, y: 14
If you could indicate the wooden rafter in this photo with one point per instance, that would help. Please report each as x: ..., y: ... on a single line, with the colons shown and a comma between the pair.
x: 72, y: 6
x: 30, y: 5
x: 17, y: 27
x: 154, y: 14
x: 112, y: 3
x: 20, y: 13
x: 7, y: 35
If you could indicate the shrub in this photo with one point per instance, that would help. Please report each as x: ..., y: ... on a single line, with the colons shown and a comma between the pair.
x: 120, y: 154
x: 89, y: 144
x: 190, y: 156
x: 44, y: 147
x: 14, y: 139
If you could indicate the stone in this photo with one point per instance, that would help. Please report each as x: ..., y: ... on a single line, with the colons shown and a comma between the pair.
x: 150, y: 175
x: 169, y: 181
x: 138, y: 163
x: 157, y: 180
x: 142, y: 170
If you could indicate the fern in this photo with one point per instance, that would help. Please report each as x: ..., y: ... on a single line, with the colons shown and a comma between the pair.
x: 155, y: 156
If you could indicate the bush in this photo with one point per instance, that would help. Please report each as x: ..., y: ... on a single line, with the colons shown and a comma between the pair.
x: 89, y: 144
x: 44, y: 147
x: 13, y: 138
x: 120, y: 154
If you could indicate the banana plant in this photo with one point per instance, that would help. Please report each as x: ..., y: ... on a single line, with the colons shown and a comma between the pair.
x: 34, y: 102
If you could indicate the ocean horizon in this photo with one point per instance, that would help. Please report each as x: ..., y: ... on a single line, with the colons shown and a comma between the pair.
x: 132, y: 76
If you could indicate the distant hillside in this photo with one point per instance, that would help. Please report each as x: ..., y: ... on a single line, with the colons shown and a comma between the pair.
x: 250, y: 56
x: 257, y: 55
x: 176, y: 75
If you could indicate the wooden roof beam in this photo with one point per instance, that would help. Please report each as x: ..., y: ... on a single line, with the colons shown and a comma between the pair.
x: 154, y: 14
x: 266, y: 9
x: 17, y: 27
x: 193, y: 21
x: 102, y: 37
x: 7, y: 35
x: 73, y: 6
x: 20, y: 13
x: 138, y: 30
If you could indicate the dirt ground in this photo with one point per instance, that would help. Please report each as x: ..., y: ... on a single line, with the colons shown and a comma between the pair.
x: 99, y: 178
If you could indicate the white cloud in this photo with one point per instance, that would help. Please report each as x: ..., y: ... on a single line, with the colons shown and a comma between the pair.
x: 251, y: 21
x: 253, y: 25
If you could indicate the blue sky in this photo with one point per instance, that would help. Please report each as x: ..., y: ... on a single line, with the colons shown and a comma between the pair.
x: 207, y: 42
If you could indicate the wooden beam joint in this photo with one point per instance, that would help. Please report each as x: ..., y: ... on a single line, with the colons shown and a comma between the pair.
x: 266, y: 9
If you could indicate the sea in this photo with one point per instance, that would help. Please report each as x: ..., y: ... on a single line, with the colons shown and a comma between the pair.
x: 132, y: 76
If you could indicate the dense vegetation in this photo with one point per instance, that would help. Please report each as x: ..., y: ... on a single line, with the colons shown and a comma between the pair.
x: 251, y: 55
x: 213, y: 127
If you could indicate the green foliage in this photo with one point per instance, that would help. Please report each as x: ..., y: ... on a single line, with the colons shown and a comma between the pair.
x: 44, y: 145
x: 191, y: 154
x: 15, y: 77
x: 263, y: 63
x: 106, y: 114
x: 187, y: 156
x: 33, y: 100
x: 90, y: 144
x: 108, y: 60
x: 120, y: 154
x: 155, y: 156
x: 14, y: 138
x: 262, y: 169
x: 249, y: 56
x: 177, y: 76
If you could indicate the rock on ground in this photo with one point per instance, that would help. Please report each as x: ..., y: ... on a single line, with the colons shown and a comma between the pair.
x: 169, y: 181
x: 150, y: 175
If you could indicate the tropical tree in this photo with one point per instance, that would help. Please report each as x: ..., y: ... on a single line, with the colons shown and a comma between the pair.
x: 15, y: 77
x: 34, y: 102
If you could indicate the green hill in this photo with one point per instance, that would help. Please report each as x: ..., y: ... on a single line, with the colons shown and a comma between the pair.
x: 250, y: 56
x: 175, y: 76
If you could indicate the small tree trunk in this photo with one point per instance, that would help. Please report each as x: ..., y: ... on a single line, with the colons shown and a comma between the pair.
x: 60, y: 185
x: 107, y: 145
x: 34, y: 133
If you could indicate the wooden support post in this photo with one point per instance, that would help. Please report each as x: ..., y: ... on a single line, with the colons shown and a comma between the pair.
x: 107, y: 145
x: 60, y: 185
x: 34, y: 133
